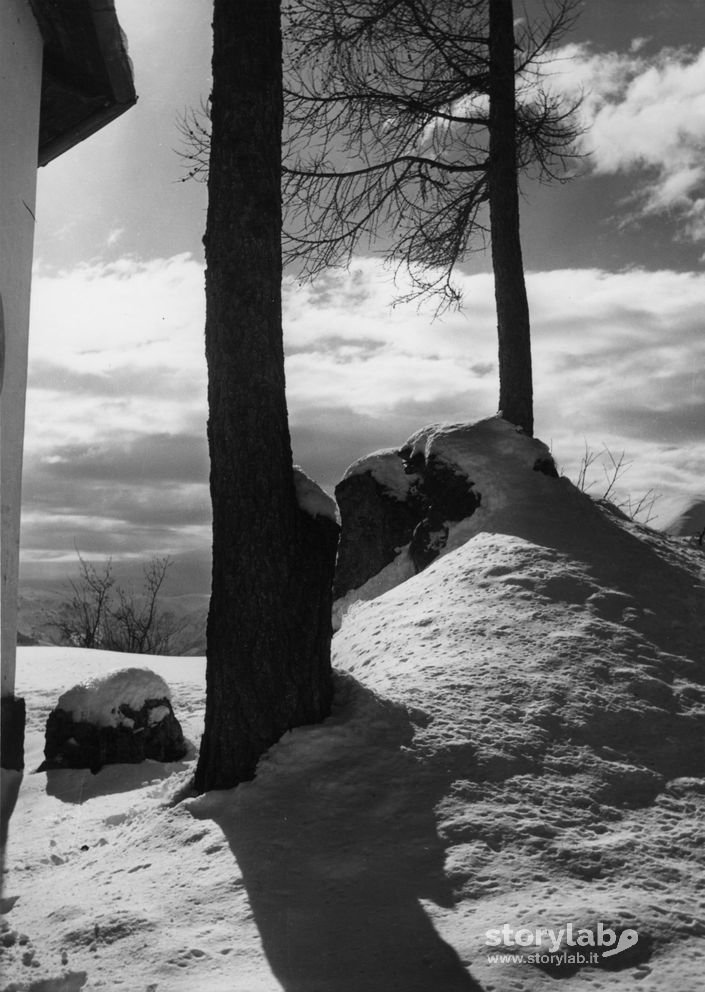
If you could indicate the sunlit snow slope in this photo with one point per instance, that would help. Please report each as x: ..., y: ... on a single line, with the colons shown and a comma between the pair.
x: 517, y: 739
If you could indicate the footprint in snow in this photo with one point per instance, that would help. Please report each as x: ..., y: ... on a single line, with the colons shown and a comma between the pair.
x: 187, y: 957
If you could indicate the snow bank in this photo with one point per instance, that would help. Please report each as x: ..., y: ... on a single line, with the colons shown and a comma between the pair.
x: 517, y: 741
x: 98, y: 699
x: 312, y: 499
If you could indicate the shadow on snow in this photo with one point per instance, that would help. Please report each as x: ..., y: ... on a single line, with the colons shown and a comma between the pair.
x: 337, y: 844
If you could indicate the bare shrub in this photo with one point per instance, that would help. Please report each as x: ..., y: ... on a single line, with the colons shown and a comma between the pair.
x: 104, y: 615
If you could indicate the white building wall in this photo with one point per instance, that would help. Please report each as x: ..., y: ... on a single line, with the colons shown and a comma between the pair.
x: 20, y: 91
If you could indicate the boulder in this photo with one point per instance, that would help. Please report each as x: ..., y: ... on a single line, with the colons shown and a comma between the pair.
x: 396, y: 502
x: 402, y: 508
x: 123, y: 717
x: 378, y: 520
x: 448, y: 496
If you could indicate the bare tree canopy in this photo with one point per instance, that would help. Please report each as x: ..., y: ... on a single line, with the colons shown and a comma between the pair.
x: 387, y: 109
x: 407, y: 126
x: 409, y: 122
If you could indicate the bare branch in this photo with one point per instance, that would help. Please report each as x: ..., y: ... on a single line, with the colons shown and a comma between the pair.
x: 194, y: 128
x: 374, y: 84
x: 135, y: 623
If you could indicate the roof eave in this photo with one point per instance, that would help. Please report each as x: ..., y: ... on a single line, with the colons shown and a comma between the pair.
x: 87, y: 75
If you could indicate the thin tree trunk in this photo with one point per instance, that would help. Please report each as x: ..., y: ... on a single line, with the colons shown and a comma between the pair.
x: 268, y: 633
x: 515, y: 381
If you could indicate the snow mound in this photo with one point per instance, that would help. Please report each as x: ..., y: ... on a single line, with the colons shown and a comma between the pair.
x: 553, y: 672
x: 516, y: 742
x: 98, y: 700
x: 312, y: 499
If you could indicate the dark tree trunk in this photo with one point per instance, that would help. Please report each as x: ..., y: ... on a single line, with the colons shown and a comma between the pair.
x: 269, y: 630
x: 515, y: 382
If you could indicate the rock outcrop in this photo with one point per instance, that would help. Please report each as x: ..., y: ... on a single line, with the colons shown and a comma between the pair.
x: 401, y: 508
x: 378, y: 518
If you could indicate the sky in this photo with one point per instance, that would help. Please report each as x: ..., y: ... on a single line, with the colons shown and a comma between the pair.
x: 116, y: 460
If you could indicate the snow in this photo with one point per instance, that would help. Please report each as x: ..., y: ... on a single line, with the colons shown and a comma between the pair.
x: 98, y: 699
x: 492, y: 444
x: 386, y: 468
x: 157, y: 714
x: 312, y: 499
x: 682, y: 515
x: 398, y: 570
x: 516, y: 739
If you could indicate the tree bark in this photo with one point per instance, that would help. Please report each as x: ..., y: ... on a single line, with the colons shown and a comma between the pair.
x: 269, y: 630
x: 515, y: 379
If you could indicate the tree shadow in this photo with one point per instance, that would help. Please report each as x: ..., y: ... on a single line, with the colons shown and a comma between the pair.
x: 337, y: 844
x: 76, y: 785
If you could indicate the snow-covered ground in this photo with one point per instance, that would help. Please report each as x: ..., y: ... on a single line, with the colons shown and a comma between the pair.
x: 517, y: 741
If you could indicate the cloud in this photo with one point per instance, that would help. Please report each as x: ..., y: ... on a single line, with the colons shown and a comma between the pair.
x: 116, y: 456
x: 115, y: 453
x: 146, y: 458
x: 617, y: 359
x: 327, y: 439
x: 116, y: 346
x: 645, y: 115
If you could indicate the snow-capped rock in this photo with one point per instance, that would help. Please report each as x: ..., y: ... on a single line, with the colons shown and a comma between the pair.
x: 403, y: 508
x: 379, y: 509
x: 311, y: 498
x: 123, y: 716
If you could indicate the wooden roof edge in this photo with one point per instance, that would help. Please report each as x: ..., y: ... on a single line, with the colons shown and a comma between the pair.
x: 86, y: 38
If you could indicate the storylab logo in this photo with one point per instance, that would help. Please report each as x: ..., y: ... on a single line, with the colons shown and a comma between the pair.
x: 564, y: 945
